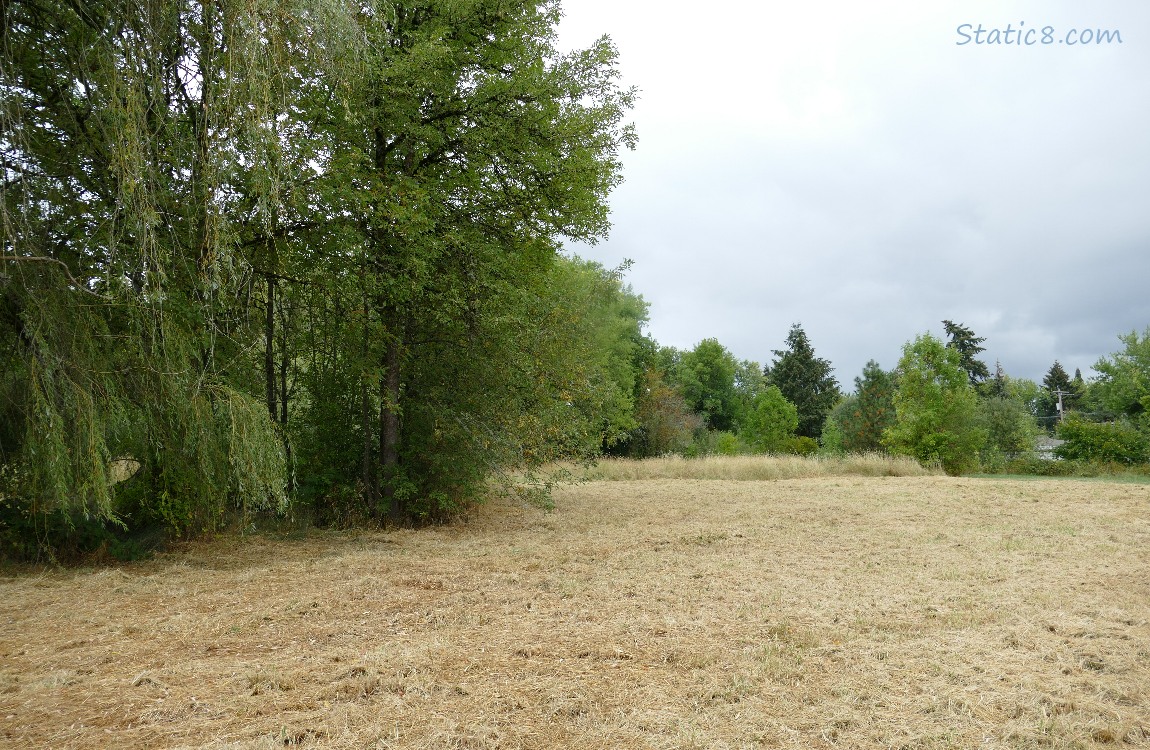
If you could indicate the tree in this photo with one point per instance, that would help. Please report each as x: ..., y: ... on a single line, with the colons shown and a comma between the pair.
x: 1056, y: 378
x: 863, y: 418
x: 963, y: 340
x: 1055, y: 381
x: 215, y: 211
x: 749, y: 383
x: 126, y: 325
x: 706, y: 375
x: 805, y: 380
x: 463, y: 147
x: 666, y: 423
x: 771, y: 423
x: 1123, y: 383
x: 1009, y: 425
x: 936, y: 408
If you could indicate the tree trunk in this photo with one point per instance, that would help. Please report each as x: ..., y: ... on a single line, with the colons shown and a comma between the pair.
x: 269, y: 348
x: 284, y: 362
x: 389, y: 412
x: 369, y: 469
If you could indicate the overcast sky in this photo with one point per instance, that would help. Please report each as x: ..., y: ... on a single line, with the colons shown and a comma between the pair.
x: 852, y: 167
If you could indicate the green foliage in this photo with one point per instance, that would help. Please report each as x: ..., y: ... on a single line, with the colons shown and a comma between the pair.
x: 802, y: 446
x: 1123, y: 383
x: 1056, y: 381
x: 968, y: 346
x: 1111, y: 442
x: 1056, y: 378
x: 1009, y: 425
x: 832, y: 440
x: 706, y: 376
x: 936, y: 408
x: 863, y: 418
x: 246, y: 253
x: 666, y: 424
x: 728, y: 444
x: 771, y: 425
x: 805, y: 380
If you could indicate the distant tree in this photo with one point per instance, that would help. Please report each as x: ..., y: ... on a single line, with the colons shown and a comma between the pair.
x: 963, y: 340
x: 805, y: 380
x: 749, y: 383
x: 1055, y: 381
x: 864, y: 417
x: 706, y: 375
x: 1123, y: 384
x: 1010, y: 428
x: 936, y: 408
x: 996, y: 386
x: 1078, y: 386
x: 666, y: 423
x: 772, y: 422
x: 1056, y: 378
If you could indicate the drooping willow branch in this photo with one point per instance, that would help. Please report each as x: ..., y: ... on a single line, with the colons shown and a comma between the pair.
x: 57, y: 261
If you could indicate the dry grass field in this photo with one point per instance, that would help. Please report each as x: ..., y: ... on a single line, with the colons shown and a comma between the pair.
x: 852, y: 612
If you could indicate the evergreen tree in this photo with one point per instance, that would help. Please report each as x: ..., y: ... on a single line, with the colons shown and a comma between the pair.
x: 864, y: 418
x: 804, y: 380
x: 1056, y: 379
x: 963, y: 340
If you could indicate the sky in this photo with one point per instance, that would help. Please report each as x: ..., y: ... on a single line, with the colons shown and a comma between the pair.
x: 869, y: 169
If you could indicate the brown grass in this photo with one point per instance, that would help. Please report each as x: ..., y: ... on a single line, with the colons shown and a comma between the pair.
x: 757, y: 468
x: 912, y: 612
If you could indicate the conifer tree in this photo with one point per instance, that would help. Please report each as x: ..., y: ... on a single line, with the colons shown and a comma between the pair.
x: 805, y: 381
x: 963, y: 340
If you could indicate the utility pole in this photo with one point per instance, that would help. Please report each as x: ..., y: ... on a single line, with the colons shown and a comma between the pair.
x: 1061, y: 411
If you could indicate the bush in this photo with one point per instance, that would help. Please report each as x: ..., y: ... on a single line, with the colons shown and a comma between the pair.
x: 771, y: 425
x: 936, y: 417
x: 1113, y: 442
x: 802, y: 446
x: 1040, y: 467
x: 715, y: 442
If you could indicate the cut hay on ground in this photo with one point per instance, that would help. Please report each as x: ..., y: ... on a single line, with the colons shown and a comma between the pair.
x: 913, y: 612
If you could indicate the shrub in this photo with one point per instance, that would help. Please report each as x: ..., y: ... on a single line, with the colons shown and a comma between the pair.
x: 802, y: 446
x: 771, y: 425
x: 1116, y: 442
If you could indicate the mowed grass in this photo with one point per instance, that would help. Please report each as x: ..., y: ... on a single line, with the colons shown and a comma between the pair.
x: 852, y: 612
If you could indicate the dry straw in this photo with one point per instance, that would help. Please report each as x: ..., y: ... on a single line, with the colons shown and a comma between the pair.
x: 751, y: 468
x: 852, y: 612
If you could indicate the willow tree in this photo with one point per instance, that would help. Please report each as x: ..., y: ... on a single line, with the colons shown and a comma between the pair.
x: 126, y: 133
x: 464, y: 148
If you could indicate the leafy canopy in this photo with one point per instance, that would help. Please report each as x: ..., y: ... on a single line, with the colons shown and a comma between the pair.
x: 936, y: 408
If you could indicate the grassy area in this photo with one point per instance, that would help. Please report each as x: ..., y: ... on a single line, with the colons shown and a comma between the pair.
x: 853, y: 612
x: 754, y: 468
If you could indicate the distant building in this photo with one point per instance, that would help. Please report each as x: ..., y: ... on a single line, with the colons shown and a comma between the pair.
x: 1044, y: 446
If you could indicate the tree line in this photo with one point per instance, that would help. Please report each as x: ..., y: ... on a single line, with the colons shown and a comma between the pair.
x: 306, y: 257
x: 941, y: 405
x: 259, y: 254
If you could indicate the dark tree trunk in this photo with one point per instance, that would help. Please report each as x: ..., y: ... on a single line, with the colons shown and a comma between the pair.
x: 269, y: 349
x: 369, y: 468
x: 389, y: 411
x: 284, y: 361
